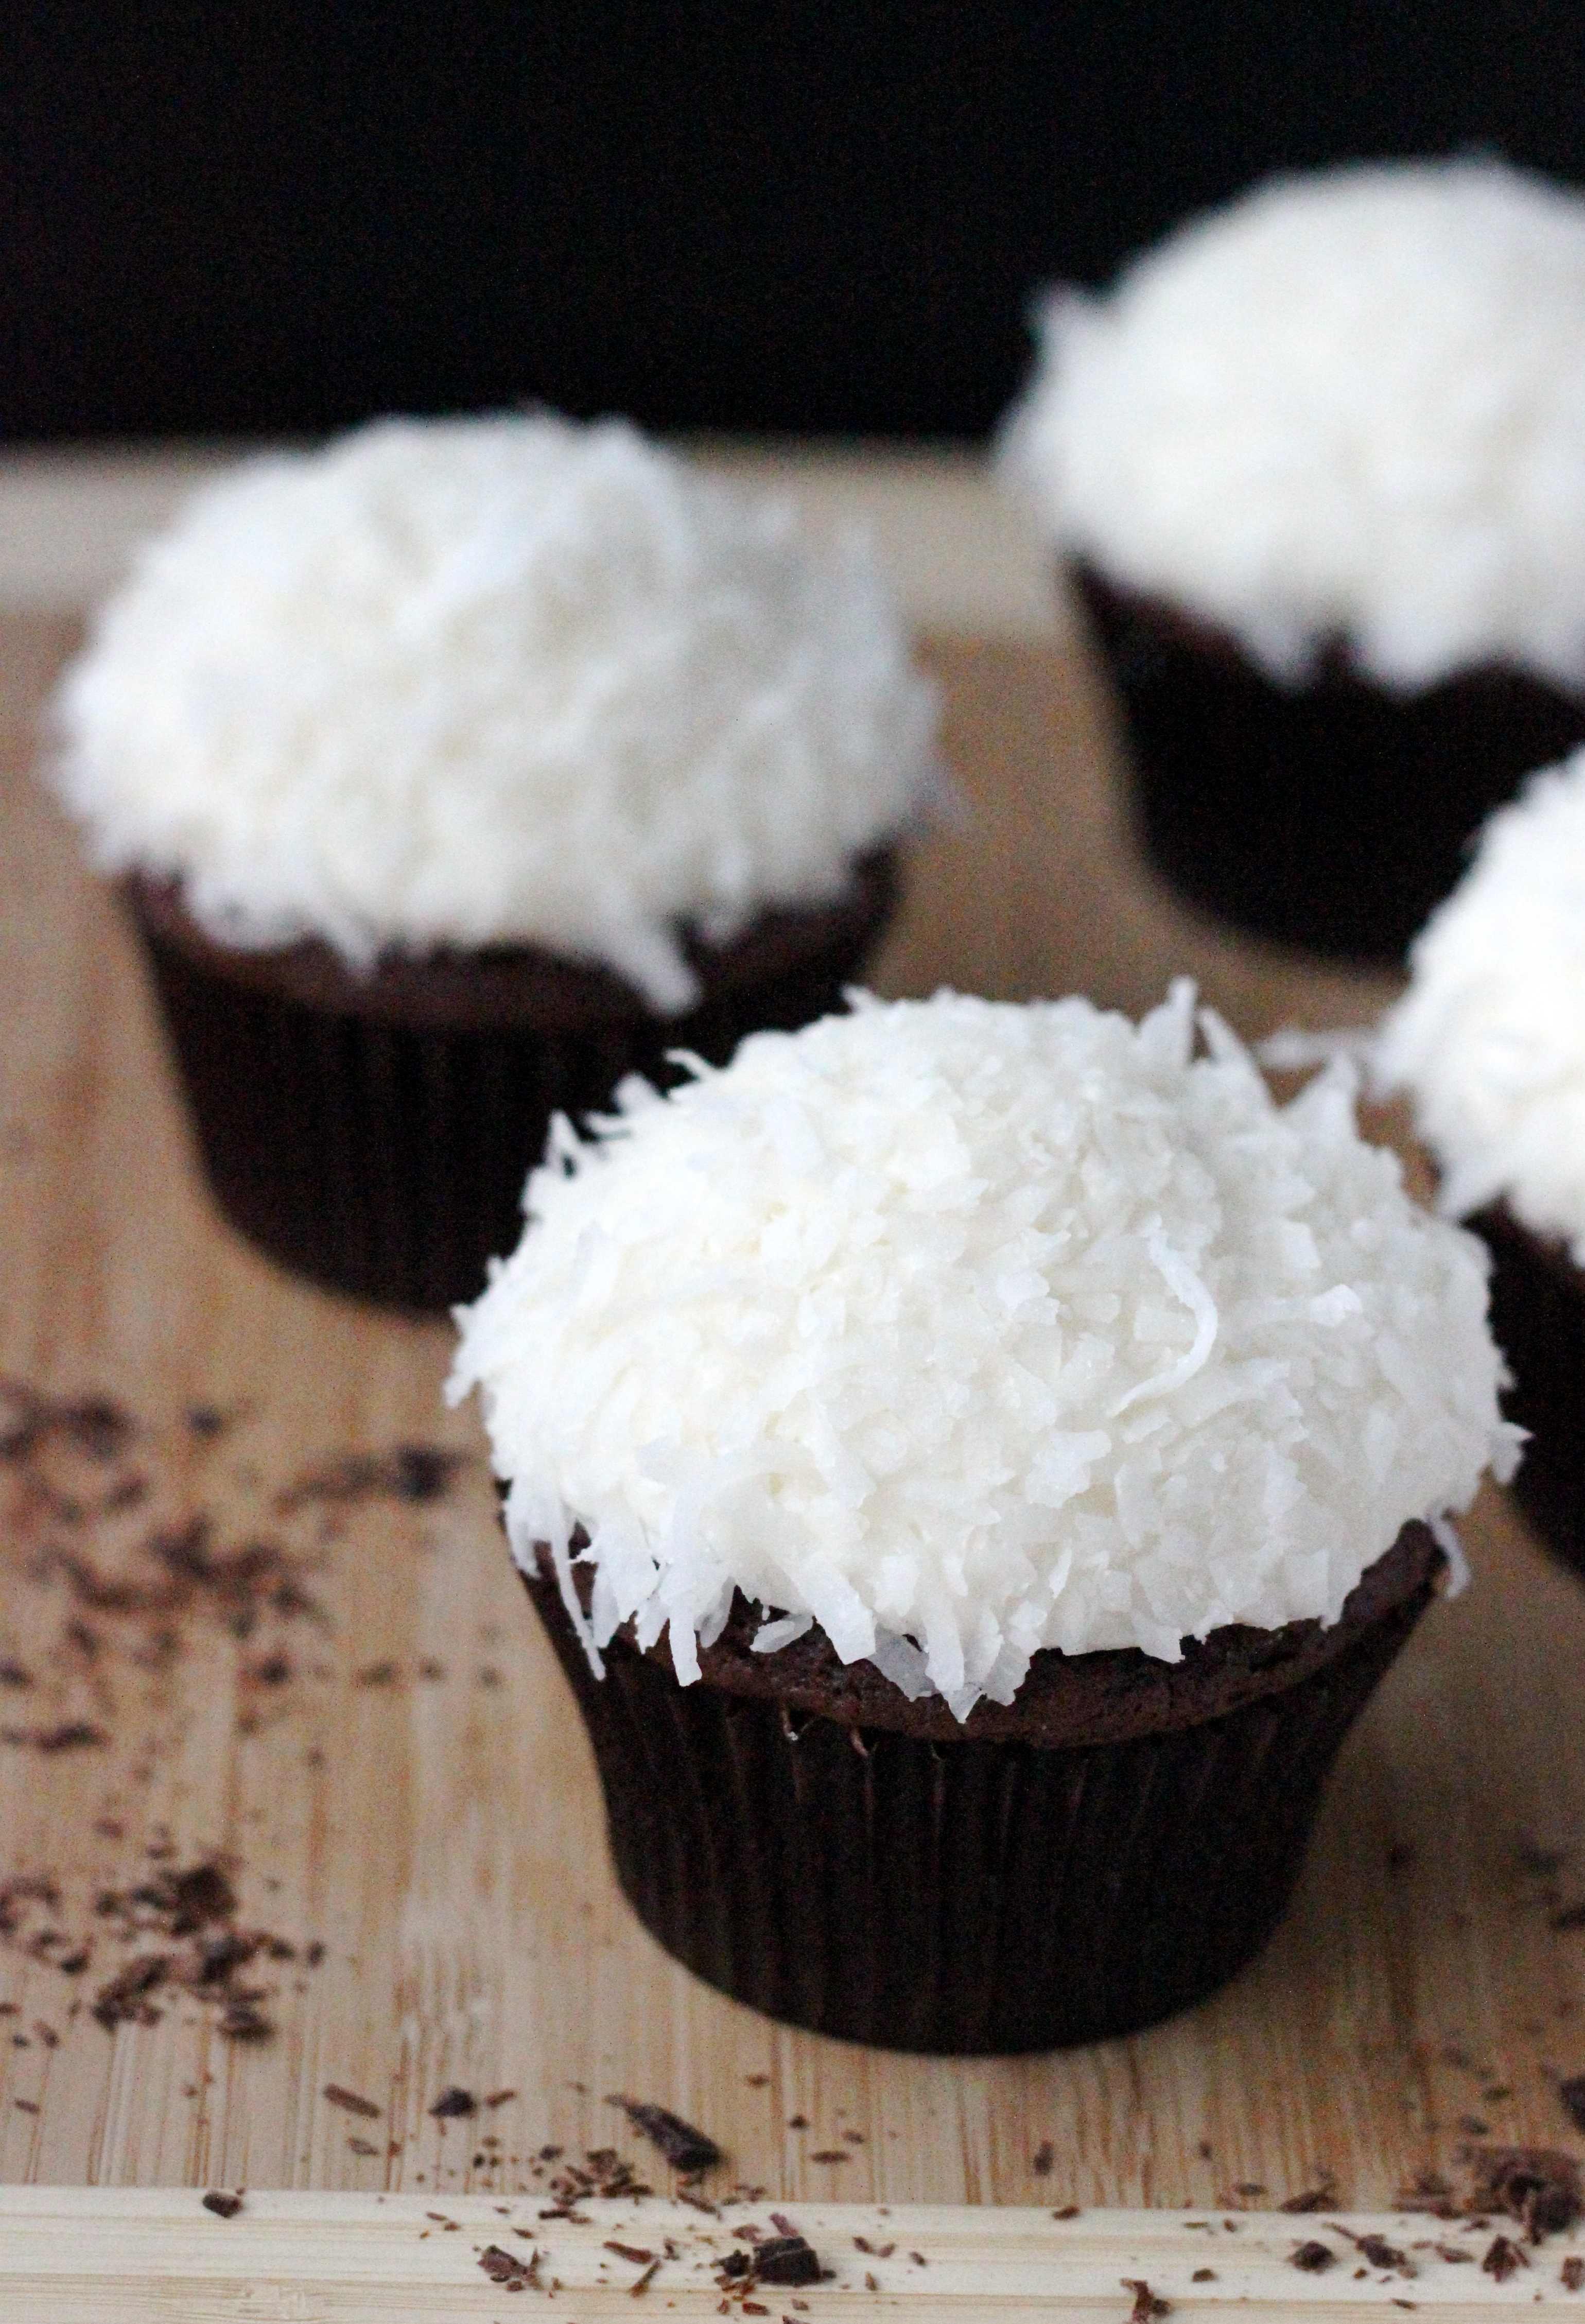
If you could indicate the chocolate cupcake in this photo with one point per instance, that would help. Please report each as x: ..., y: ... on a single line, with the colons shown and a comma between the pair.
x: 974, y: 1463
x: 1317, y: 469
x: 455, y: 772
x: 1489, y: 1042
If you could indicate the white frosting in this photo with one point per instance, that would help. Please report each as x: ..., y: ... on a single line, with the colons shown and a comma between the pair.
x: 966, y: 1329
x: 1350, y: 405
x: 506, y: 679
x: 1490, y: 1038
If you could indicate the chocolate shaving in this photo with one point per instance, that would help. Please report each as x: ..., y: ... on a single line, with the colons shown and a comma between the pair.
x: 416, y: 1474
x: 788, y: 2259
x: 1312, y: 2258
x: 1571, y: 2274
x: 454, y: 2101
x: 1042, y: 2158
x: 350, y: 2102
x: 686, y: 2150
x: 1313, y: 2198
x: 225, y: 2207
x: 505, y: 2268
x: 1503, y: 2259
x: 1147, y: 2303
x: 71, y: 1734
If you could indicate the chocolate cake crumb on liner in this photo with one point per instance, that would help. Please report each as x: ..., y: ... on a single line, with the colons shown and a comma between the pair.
x: 1332, y: 814
x: 1111, y: 1848
x: 1538, y: 1320
x: 373, y: 1129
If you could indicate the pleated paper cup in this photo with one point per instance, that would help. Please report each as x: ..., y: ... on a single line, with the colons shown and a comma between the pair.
x: 373, y: 1130
x: 903, y: 1881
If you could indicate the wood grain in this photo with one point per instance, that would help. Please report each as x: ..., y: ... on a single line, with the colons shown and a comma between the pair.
x: 137, y: 2256
x: 440, y: 1836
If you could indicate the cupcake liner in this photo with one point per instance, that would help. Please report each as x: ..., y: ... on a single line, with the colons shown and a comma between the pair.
x: 1334, y: 814
x: 378, y: 1139
x: 1538, y: 1320
x: 967, y: 1896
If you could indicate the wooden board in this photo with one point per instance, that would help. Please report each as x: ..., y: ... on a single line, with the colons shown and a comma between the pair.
x: 141, y: 2256
x: 409, y: 1791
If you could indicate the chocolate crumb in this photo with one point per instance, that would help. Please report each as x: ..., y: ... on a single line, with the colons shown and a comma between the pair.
x: 1147, y: 2303
x: 499, y: 2097
x: 12, y: 1674
x: 225, y: 2207
x: 831, y: 2155
x: 453, y: 2101
x: 1503, y: 2259
x: 505, y: 2268
x: 242, y: 2020
x: 684, y: 2148
x: 797, y: 2122
x: 1313, y: 2198
x: 70, y: 1734
x: 1042, y: 2158
x: 362, y: 2146
x: 1571, y: 2274
x: 350, y: 2102
x: 637, y: 2289
x: 1203, y: 2275
x: 1381, y: 2253
x: 787, y: 2259
x: 24, y: 2106
x: 1312, y: 2258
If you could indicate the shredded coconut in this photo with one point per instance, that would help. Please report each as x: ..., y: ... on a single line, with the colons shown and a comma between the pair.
x: 1349, y: 405
x: 506, y: 679
x: 965, y: 1329
x: 1490, y: 1038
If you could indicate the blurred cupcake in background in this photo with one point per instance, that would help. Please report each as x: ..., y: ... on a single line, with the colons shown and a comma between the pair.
x: 1489, y: 1042
x: 453, y: 772
x: 1316, y: 466
x: 974, y: 1463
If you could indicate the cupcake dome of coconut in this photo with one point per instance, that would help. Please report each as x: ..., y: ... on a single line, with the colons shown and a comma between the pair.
x: 1348, y: 406
x: 499, y: 680
x: 1490, y: 1039
x: 965, y: 1329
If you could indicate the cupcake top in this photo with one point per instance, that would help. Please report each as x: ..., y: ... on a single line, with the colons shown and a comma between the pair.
x: 1490, y: 1039
x: 965, y: 1329
x: 494, y: 681
x: 1348, y: 407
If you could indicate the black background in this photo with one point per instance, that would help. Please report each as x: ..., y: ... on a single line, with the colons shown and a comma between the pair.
x: 767, y: 216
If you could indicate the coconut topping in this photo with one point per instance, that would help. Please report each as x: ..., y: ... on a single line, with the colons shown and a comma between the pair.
x: 1490, y: 1039
x: 964, y: 1329
x: 1348, y: 407
x: 494, y: 680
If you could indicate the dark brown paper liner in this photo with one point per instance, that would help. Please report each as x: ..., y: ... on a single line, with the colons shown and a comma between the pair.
x: 387, y: 1158
x: 1538, y: 1320
x: 967, y: 1896
x: 1333, y: 815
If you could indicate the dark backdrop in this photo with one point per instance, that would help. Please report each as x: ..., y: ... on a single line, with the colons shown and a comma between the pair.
x: 764, y: 216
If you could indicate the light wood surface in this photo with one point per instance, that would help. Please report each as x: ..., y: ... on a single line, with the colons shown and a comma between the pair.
x: 437, y: 1828
x: 137, y: 2256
